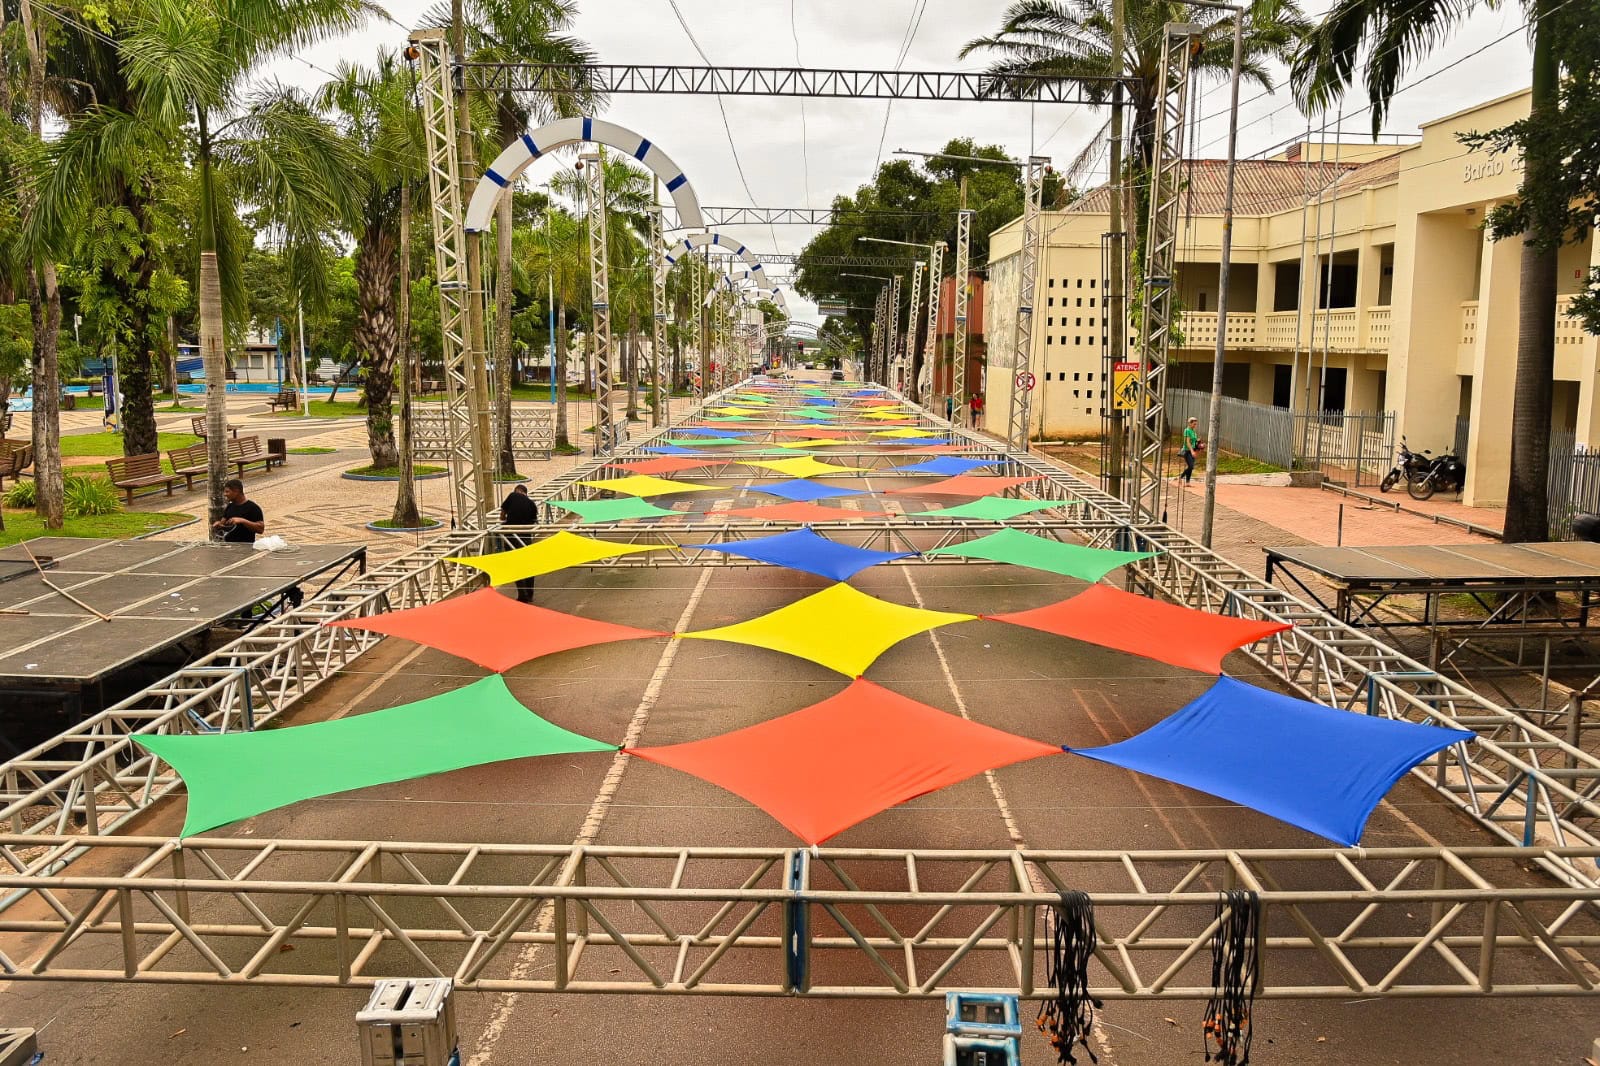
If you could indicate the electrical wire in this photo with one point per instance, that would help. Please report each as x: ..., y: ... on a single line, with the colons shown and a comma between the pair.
x: 913, y: 23
x: 805, y: 134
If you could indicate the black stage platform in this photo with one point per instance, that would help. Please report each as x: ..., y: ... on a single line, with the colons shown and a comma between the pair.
x: 157, y: 595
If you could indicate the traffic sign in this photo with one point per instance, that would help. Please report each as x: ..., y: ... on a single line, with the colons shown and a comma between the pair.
x: 1124, y: 386
x: 1026, y: 381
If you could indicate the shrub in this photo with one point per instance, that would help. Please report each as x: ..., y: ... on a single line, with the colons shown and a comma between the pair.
x: 85, y: 496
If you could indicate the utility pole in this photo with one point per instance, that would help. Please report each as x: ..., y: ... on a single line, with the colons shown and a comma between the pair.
x: 1114, y: 300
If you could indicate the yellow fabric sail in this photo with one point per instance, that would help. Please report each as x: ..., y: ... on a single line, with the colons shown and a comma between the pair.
x: 841, y: 628
x: 646, y: 485
x: 555, y: 552
x: 804, y: 466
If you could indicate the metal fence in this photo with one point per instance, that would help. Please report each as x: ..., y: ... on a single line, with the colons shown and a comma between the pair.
x: 1347, y: 446
x: 1574, y: 481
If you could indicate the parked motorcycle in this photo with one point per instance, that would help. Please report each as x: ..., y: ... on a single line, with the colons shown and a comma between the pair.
x: 1407, y: 467
x: 1447, y: 472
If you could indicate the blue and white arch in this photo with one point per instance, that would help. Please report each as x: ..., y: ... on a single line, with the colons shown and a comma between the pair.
x: 694, y: 241
x: 509, y: 164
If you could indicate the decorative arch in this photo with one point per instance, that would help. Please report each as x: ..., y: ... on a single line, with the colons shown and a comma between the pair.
x: 746, y: 281
x: 509, y: 164
x: 701, y: 240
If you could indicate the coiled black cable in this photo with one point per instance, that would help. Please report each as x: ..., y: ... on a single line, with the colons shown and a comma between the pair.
x: 1067, y: 1018
x: 1235, y: 978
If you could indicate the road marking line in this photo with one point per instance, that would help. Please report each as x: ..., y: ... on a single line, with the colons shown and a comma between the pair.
x: 495, y: 1028
x: 1107, y: 1052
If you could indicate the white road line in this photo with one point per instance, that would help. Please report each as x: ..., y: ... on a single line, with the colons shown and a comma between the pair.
x: 500, y: 1017
x: 361, y: 697
x: 1107, y: 1052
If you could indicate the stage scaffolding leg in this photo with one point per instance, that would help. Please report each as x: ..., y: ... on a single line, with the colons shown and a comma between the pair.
x: 1018, y: 427
x: 930, y: 344
x: 659, y: 397
x: 903, y: 362
x: 958, y: 355
x: 594, y: 173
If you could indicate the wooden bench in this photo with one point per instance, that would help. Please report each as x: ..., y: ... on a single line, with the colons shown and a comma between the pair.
x: 288, y: 399
x: 189, y: 463
x: 15, y: 457
x: 139, y: 471
x: 245, y: 452
x: 198, y: 423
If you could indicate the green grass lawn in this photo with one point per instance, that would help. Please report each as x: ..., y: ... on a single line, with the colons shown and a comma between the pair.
x: 327, y: 409
x: 109, y: 445
x: 179, y: 409
x: 24, y: 524
x: 1240, y: 464
x: 312, y: 451
x: 417, y: 470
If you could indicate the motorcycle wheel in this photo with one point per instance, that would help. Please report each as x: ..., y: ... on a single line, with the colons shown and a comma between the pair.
x: 1420, y: 488
x: 1390, y: 480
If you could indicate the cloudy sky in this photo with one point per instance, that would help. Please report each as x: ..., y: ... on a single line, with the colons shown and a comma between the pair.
x: 785, y: 166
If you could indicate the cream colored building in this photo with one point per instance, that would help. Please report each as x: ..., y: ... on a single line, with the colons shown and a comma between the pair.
x: 1362, y: 280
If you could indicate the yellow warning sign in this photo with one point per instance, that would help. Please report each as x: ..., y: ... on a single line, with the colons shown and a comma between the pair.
x: 1125, y: 386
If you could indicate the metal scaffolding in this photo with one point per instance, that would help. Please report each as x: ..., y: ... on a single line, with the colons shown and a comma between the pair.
x: 865, y: 262
x: 1018, y: 425
x: 1381, y: 922
x: 896, y: 340
x: 594, y: 175
x: 958, y: 366
x: 612, y: 79
x: 659, y: 397
x: 930, y: 343
x: 903, y: 358
x: 465, y: 377
x: 1148, y: 426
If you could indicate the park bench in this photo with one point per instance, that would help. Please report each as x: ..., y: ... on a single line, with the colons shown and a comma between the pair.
x: 198, y: 422
x: 15, y: 457
x: 244, y: 452
x: 133, y: 472
x: 189, y: 463
x: 288, y: 399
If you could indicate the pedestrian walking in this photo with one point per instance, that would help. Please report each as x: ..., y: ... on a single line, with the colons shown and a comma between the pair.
x: 1191, y: 445
x: 976, y: 404
x: 519, y: 509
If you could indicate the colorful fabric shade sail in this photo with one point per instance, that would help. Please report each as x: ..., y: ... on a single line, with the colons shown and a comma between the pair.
x: 946, y: 464
x: 705, y: 442
x: 827, y: 432
x: 1041, y: 553
x: 967, y: 485
x: 800, y: 490
x: 804, y: 466
x: 801, y: 549
x: 903, y: 431
x: 1166, y: 632
x: 815, y: 442
x: 800, y: 511
x: 992, y: 508
x: 613, y: 510
x: 669, y: 465
x: 834, y: 764
x: 645, y: 485
x: 1311, y: 766
x: 711, y: 431
x: 237, y: 775
x: 495, y: 631
x: 555, y: 552
x: 839, y: 627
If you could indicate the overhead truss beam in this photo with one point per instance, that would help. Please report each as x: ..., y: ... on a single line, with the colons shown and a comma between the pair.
x: 612, y: 79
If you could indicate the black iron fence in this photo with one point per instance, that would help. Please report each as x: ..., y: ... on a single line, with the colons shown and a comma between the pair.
x: 1351, y: 447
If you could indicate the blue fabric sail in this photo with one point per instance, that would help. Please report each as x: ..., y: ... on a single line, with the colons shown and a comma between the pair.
x: 669, y: 449
x: 800, y: 489
x: 802, y: 549
x: 707, y: 431
x: 946, y: 466
x: 1311, y: 766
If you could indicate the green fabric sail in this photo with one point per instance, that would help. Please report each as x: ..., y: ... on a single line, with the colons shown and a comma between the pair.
x: 1041, y: 553
x: 993, y: 508
x: 613, y: 510
x: 237, y: 775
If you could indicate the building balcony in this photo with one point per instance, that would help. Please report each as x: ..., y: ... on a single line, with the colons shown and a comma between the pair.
x: 1570, y: 340
x: 1200, y: 329
x: 1339, y: 330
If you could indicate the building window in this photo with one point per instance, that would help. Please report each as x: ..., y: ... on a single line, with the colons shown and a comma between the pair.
x: 1092, y: 281
x: 1047, y: 338
x: 1052, y: 283
x: 1075, y: 392
x: 1050, y: 301
x: 1090, y: 393
x: 1074, y: 377
x: 1080, y: 301
x: 1091, y: 301
x: 1080, y: 283
x: 1078, y: 322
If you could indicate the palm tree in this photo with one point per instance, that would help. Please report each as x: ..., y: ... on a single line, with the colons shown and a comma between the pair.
x: 559, y: 249
x: 1393, y: 35
x: 518, y: 31
x: 189, y: 60
x: 374, y: 113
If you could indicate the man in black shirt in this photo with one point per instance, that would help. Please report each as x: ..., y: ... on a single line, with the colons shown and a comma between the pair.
x: 519, y: 509
x: 241, y: 519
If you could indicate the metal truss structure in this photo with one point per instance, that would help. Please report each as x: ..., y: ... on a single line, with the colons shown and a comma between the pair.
x: 958, y: 367
x: 896, y: 340
x: 1148, y: 426
x: 784, y: 216
x: 84, y: 904
x: 902, y: 369
x: 594, y: 180
x: 930, y: 343
x: 612, y: 79
x: 533, y: 432
x: 1019, y: 421
x: 864, y: 262
x: 465, y: 379
x: 1391, y: 923
x: 660, y: 396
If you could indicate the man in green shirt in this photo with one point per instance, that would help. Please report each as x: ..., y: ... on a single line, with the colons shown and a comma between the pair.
x: 1191, y: 444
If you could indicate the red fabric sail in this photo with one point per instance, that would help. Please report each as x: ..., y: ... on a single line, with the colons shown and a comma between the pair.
x: 666, y: 464
x: 495, y: 631
x: 823, y: 769
x: 964, y: 485
x: 1166, y: 632
x: 801, y: 511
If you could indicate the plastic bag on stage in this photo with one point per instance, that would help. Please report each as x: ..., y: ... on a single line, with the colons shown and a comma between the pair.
x: 273, y: 543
